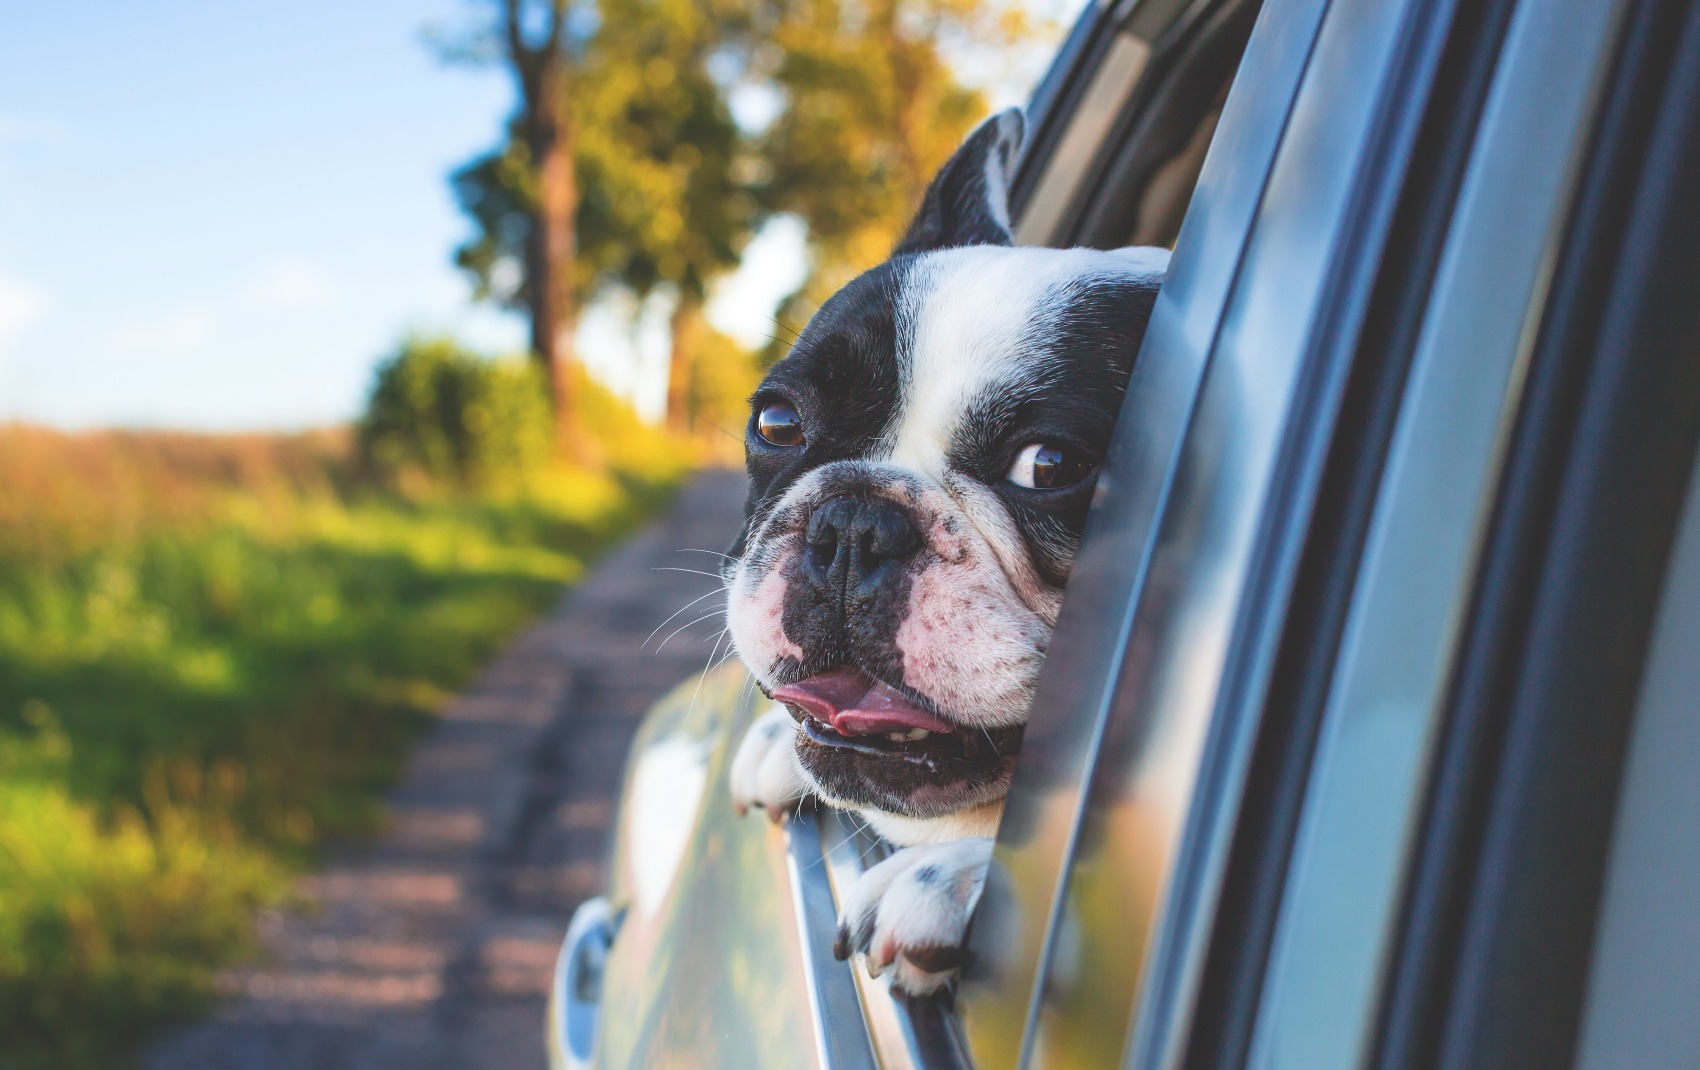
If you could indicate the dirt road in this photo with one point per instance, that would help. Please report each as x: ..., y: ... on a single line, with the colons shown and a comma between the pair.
x: 432, y: 947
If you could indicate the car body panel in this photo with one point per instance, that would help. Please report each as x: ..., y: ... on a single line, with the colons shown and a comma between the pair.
x: 707, y: 968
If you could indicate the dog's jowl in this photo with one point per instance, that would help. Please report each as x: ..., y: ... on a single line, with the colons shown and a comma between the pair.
x: 921, y: 466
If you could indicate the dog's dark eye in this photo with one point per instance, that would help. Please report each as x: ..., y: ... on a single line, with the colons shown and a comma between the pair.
x: 779, y: 424
x: 1042, y: 466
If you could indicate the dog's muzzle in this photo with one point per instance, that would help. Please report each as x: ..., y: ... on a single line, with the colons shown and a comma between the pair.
x: 859, y: 548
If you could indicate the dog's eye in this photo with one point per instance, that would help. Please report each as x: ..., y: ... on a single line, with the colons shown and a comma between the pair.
x: 1042, y: 466
x: 779, y: 424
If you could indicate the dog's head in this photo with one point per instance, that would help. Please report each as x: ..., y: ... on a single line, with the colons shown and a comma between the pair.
x: 921, y: 466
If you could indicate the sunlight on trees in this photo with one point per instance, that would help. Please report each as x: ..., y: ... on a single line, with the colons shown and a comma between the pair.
x: 861, y: 103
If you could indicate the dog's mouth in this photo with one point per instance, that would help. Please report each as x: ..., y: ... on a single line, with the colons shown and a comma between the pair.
x: 845, y: 708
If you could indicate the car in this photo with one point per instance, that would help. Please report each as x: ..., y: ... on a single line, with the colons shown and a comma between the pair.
x: 1367, y: 734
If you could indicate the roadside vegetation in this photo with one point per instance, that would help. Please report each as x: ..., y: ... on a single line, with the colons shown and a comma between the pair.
x: 215, y: 650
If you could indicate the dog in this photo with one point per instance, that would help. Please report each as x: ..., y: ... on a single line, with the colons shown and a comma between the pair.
x: 921, y: 465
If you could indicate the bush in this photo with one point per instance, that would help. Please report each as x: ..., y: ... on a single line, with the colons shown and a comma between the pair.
x: 445, y: 413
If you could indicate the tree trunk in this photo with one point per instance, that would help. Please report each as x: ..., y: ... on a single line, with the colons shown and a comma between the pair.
x: 549, y: 136
x: 681, y: 369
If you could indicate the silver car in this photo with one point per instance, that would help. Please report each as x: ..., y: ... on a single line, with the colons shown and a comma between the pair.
x: 1368, y: 736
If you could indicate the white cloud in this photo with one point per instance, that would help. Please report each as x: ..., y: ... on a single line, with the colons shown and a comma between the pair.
x: 179, y: 332
x: 21, y: 304
x: 289, y: 284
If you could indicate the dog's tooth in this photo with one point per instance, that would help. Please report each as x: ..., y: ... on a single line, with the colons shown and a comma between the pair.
x: 917, y: 733
x: 897, y: 737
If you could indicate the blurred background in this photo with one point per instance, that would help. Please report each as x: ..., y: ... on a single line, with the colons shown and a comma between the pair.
x: 336, y: 341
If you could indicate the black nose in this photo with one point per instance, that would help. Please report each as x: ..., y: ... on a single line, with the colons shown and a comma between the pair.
x: 855, y: 543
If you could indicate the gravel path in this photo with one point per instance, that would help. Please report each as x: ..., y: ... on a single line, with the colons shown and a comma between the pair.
x: 432, y: 947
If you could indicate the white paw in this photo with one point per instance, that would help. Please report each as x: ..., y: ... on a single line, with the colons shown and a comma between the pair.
x: 765, y: 771
x: 909, y: 913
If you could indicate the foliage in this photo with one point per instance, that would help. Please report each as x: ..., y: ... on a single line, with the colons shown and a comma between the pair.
x: 204, y: 675
x: 873, y: 109
x: 657, y: 159
x: 442, y: 412
x: 874, y: 106
x: 670, y: 187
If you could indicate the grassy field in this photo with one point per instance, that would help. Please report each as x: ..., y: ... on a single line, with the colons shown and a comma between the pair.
x: 213, y: 653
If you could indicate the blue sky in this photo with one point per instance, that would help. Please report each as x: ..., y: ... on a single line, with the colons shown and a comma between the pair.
x: 221, y: 216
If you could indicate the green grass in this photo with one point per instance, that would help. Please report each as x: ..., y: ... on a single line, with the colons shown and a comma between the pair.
x: 196, y: 690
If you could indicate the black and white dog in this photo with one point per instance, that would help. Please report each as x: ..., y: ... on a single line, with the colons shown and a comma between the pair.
x: 921, y: 466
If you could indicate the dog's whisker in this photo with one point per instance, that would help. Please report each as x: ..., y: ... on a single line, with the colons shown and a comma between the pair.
x: 693, y: 571
x: 782, y: 325
x: 733, y: 435
x: 691, y: 710
x: 682, y: 627
x: 696, y: 550
x: 675, y: 614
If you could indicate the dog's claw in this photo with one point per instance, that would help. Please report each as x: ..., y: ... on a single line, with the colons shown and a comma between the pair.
x: 909, y: 914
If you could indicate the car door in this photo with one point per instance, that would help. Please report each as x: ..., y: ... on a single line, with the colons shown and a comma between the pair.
x: 1395, y: 852
x: 1261, y: 752
x: 1237, y: 787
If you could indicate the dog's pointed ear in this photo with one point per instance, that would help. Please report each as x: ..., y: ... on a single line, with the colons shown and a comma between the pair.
x: 968, y: 202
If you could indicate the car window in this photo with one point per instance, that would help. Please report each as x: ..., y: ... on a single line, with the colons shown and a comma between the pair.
x: 1085, y: 113
x: 1028, y: 924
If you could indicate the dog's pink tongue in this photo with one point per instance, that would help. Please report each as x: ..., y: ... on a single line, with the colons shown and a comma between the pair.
x: 856, y: 705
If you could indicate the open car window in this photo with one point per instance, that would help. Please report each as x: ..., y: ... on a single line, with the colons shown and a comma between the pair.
x: 1153, y: 76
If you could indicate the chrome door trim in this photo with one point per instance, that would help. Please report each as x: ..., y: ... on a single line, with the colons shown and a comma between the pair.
x: 858, y: 1021
x: 841, y: 1042
x: 906, y: 1034
x: 1013, y: 933
x: 1322, y: 989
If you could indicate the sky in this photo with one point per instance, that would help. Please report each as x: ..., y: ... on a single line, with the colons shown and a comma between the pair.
x: 221, y: 216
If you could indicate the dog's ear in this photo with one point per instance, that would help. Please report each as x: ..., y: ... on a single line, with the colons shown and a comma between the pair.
x: 968, y: 202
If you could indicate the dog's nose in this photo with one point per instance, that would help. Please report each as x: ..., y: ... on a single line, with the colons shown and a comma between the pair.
x: 855, y: 543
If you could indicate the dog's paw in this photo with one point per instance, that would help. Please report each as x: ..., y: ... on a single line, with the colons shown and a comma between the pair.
x: 765, y: 771
x: 909, y: 913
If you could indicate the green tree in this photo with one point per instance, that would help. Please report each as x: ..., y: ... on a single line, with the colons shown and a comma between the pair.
x: 873, y: 108
x: 657, y: 161
x: 439, y: 412
x: 535, y: 202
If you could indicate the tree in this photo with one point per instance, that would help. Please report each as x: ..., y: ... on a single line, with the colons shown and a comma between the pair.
x: 656, y: 160
x: 669, y: 188
x: 534, y: 42
x: 673, y: 165
x: 873, y: 108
